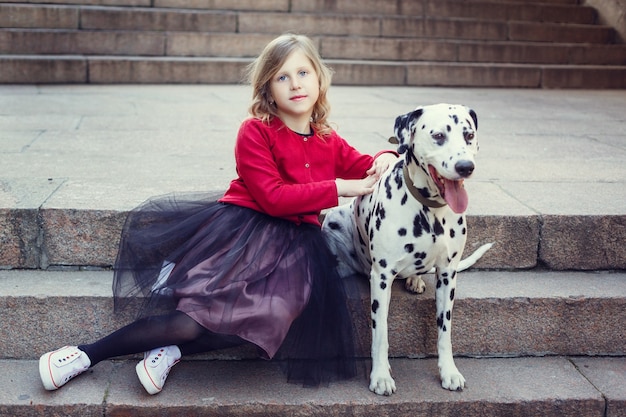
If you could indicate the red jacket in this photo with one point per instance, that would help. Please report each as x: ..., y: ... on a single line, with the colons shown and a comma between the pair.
x: 287, y: 175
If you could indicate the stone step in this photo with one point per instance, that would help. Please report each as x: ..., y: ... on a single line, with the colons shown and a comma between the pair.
x: 75, y: 159
x: 392, y: 43
x: 542, y: 28
x: 533, y: 387
x: 69, y: 69
x: 496, y: 314
x: 544, y: 10
x: 39, y: 237
x: 105, y: 42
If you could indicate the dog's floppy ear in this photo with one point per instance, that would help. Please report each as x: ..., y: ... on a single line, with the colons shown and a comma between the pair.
x: 404, y: 127
x: 474, y: 117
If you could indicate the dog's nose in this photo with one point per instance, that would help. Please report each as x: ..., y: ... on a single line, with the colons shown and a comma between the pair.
x: 464, y: 168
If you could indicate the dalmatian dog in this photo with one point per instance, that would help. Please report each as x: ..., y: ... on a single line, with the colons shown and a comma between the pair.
x: 413, y: 223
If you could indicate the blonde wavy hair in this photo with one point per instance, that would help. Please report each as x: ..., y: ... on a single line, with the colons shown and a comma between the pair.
x: 262, y: 70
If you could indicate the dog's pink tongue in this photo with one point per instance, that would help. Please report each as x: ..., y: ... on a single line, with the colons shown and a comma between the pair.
x: 456, y: 196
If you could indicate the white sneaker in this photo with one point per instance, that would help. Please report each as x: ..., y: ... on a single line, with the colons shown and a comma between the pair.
x: 58, y: 367
x: 155, y: 366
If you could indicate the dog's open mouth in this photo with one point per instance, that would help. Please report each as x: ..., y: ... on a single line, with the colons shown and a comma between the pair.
x: 452, y: 191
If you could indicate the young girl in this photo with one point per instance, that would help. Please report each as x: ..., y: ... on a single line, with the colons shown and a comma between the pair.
x: 251, y: 267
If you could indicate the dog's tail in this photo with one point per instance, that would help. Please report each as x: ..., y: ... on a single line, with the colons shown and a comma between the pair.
x: 472, y: 259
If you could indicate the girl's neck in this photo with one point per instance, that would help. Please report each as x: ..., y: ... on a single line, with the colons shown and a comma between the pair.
x: 300, y: 125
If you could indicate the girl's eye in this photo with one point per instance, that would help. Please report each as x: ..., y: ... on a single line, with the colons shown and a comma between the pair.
x: 281, y: 78
x: 303, y: 73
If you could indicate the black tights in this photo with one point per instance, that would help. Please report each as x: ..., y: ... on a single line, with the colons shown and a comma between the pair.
x: 175, y: 328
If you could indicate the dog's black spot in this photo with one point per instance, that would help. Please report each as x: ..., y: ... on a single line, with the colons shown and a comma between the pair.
x: 438, y: 228
x: 446, y: 282
x: 448, y: 128
x: 444, y: 328
x: 440, y: 321
x: 404, y: 199
x: 444, y: 274
x: 394, y: 272
x: 373, y: 324
x: 420, y: 224
x: 456, y: 119
x: 417, y: 227
x: 388, y: 188
x: 460, y: 221
x: 381, y: 212
x: 398, y: 178
x: 361, y: 241
x: 453, y: 275
x: 383, y: 285
x: 438, y: 283
x: 409, y: 247
x: 452, y: 233
x: 402, y: 231
x: 448, y: 314
x: 454, y: 255
x: 463, y: 231
x: 378, y: 222
x: 375, y: 306
x: 334, y: 225
x: 452, y: 294
x: 383, y: 263
x: 420, y: 255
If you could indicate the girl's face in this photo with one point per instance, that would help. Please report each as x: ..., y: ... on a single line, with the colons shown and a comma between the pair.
x: 295, y: 88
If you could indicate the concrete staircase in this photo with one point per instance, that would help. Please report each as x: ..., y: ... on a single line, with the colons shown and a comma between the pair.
x: 538, y: 324
x: 477, y: 43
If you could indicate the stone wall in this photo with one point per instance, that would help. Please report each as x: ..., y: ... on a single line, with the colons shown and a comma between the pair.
x: 613, y: 13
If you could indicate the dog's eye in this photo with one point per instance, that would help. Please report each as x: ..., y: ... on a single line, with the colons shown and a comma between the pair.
x: 469, y: 136
x: 439, y: 137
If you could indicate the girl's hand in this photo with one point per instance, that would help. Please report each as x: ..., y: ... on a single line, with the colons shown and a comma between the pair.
x: 354, y: 188
x: 381, y: 164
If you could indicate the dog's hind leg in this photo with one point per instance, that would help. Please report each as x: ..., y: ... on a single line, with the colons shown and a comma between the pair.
x: 415, y: 284
x: 338, y: 229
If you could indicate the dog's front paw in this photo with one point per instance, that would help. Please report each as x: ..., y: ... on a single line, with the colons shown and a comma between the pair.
x: 452, y: 380
x: 415, y: 284
x: 382, y: 384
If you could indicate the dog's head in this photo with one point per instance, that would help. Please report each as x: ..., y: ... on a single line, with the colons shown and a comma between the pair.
x: 442, y: 140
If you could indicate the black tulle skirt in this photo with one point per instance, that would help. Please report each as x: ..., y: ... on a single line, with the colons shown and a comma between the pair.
x: 240, y: 272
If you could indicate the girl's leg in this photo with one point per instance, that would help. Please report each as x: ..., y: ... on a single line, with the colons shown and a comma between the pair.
x: 210, y: 341
x: 175, y: 328
x: 159, y: 337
